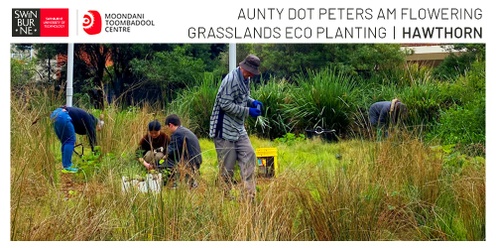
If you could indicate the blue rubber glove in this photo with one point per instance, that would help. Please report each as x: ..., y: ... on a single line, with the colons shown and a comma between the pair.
x: 257, y: 103
x: 254, y: 112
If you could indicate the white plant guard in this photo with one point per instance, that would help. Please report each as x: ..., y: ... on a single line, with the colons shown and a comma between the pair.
x: 151, y: 183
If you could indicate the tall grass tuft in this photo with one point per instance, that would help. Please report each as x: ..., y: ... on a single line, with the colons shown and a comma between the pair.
x: 324, y: 99
x: 194, y: 105
x: 274, y: 94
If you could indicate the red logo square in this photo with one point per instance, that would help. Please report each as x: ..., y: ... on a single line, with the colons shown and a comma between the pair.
x: 54, y: 22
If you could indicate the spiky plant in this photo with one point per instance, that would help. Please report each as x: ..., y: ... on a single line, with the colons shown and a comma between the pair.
x: 273, y: 123
x: 194, y: 105
x: 325, y: 98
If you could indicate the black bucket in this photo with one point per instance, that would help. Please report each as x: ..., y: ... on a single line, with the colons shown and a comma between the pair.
x: 325, y: 134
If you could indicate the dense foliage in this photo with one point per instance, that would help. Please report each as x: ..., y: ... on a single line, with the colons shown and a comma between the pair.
x: 303, y: 86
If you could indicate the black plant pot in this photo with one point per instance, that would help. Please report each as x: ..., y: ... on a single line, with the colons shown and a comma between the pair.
x: 328, y: 135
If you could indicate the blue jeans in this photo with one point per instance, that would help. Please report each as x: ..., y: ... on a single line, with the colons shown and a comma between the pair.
x: 62, y: 123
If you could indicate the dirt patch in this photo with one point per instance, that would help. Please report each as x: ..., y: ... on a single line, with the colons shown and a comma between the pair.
x: 70, y: 186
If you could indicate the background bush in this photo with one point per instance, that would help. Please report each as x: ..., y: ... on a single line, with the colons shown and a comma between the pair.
x: 274, y: 94
x: 324, y: 98
x: 194, y: 105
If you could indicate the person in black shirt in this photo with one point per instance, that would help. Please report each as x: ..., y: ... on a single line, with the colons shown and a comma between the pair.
x: 85, y: 124
x: 183, y: 150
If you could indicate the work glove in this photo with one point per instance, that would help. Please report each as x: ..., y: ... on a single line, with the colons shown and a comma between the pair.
x: 254, y: 112
x: 256, y: 104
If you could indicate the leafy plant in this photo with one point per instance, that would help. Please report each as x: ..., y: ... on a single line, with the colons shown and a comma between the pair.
x: 462, y: 124
x: 290, y: 138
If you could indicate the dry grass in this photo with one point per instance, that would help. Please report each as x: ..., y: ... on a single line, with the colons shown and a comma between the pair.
x: 397, y: 189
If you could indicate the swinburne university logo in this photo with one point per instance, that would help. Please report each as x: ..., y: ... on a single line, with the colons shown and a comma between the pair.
x: 92, y: 22
x: 40, y: 22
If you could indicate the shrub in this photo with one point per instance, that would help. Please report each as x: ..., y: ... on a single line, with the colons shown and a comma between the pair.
x: 324, y: 99
x: 273, y: 95
x: 455, y: 65
x: 21, y: 72
x: 462, y: 124
x: 424, y: 102
x: 194, y: 105
x: 465, y: 88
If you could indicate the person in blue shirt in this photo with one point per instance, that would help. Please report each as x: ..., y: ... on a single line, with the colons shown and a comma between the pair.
x: 69, y: 121
x: 385, y: 113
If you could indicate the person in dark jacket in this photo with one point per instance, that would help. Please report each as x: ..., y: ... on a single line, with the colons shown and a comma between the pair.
x: 152, y: 146
x: 183, y: 150
x: 85, y: 124
x: 385, y: 113
x: 69, y: 121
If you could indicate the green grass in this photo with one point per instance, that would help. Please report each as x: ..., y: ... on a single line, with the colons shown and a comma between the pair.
x: 397, y: 189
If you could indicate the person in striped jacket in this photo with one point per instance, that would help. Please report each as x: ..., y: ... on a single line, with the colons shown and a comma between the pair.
x: 233, y: 104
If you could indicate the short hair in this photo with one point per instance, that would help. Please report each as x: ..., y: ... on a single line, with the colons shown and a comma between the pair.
x: 154, y: 126
x: 174, y: 119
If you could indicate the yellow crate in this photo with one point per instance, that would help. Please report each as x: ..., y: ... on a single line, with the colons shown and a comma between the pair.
x: 266, y: 162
